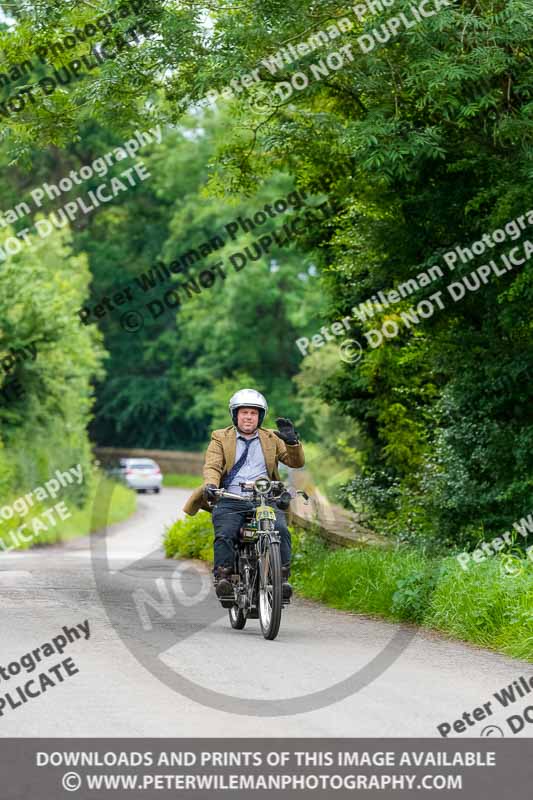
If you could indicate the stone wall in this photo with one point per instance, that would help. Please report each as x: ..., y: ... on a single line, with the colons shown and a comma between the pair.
x: 170, y: 461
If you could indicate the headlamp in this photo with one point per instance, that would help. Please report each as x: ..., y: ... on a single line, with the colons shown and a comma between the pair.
x: 262, y: 485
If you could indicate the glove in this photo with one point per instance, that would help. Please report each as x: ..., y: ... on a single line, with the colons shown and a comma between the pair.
x: 286, y: 431
x: 283, y: 501
x: 209, y: 495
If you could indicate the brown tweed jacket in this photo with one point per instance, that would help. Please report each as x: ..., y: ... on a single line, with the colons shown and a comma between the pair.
x: 220, y: 457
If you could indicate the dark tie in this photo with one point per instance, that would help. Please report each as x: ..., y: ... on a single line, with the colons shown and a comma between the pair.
x: 238, y: 464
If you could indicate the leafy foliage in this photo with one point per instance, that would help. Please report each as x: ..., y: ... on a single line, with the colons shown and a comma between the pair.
x: 46, y: 428
x: 434, y: 134
x: 425, y: 143
x: 190, y: 538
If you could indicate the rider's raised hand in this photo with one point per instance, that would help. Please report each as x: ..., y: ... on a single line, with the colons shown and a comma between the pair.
x: 286, y: 431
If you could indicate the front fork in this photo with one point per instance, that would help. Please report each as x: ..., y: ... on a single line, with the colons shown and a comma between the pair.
x: 265, y: 537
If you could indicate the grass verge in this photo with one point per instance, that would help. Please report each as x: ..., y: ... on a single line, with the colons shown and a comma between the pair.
x: 42, y: 530
x: 182, y: 480
x: 484, y: 605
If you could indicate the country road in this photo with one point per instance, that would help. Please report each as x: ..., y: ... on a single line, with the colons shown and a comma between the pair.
x: 126, y: 687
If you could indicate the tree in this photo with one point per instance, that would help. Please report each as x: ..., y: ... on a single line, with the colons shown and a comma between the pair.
x: 52, y: 358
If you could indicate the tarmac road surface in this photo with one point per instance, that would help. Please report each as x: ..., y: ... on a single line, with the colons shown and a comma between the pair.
x: 125, y: 671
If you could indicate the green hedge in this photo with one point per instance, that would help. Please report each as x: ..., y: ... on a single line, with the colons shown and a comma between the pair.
x: 484, y: 605
x: 190, y: 538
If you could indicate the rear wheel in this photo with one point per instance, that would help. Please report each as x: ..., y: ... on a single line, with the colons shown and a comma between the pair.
x: 237, y: 617
x: 270, y: 592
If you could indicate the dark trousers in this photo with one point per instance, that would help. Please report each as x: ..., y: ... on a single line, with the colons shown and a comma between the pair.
x: 229, y: 517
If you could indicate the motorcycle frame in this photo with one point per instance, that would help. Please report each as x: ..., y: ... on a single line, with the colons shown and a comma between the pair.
x: 249, y: 553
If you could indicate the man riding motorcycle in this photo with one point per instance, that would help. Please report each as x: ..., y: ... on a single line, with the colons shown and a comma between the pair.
x: 241, y: 453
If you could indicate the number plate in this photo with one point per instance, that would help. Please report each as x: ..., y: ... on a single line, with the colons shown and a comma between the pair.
x: 265, y: 512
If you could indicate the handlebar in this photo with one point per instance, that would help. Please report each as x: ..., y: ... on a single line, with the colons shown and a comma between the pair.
x: 223, y: 493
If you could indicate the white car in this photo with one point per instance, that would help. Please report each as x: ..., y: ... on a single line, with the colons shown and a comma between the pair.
x: 140, y: 474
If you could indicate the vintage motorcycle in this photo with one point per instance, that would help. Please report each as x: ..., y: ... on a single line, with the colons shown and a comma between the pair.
x: 257, y: 580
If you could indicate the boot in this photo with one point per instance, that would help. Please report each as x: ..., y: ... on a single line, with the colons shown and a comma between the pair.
x: 286, y: 588
x: 223, y: 584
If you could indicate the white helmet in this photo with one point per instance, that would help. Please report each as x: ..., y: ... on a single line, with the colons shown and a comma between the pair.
x: 248, y: 398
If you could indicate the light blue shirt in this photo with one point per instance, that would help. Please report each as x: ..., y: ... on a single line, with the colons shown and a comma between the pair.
x: 254, y: 466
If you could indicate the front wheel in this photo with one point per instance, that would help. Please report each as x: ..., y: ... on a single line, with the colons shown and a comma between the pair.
x: 270, y: 590
x: 237, y: 617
